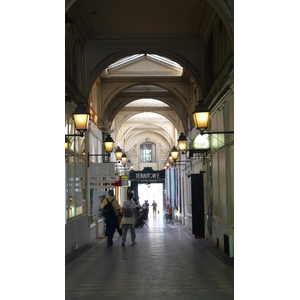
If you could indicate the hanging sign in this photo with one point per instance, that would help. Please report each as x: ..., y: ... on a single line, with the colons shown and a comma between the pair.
x: 147, y: 174
x: 201, y: 142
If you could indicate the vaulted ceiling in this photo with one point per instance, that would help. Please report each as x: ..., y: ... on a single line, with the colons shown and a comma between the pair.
x: 122, y: 28
x: 135, y: 19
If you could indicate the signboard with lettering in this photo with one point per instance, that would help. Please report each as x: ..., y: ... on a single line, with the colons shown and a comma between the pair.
x: 147, y: 174
x: 201, y: 142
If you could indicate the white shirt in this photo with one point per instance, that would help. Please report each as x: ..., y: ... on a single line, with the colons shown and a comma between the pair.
x: 128, y: 220
x: 127, y: 202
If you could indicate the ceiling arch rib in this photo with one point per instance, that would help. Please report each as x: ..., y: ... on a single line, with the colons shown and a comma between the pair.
x: 113, y: 105
x: 179, y: 32
x: 141, y: 111
x: 147, y: 67
x: 145, y: 76
x: 190, y: 73
x: 128, y: 113
x: 131, y: 132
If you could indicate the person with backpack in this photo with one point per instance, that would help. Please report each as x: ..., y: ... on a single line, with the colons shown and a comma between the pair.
x: 111, y: 209
x: 129, y: 219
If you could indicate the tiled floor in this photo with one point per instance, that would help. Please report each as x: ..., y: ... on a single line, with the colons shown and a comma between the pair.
x: 167, y: 263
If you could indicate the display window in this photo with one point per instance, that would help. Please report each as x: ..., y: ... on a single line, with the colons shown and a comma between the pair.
x: 74, y: 172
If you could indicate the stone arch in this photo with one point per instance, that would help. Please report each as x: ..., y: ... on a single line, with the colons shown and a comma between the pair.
x: 118, y: 107
x: 168, y: 137
x: 136, y: 113
x: 180, y: 59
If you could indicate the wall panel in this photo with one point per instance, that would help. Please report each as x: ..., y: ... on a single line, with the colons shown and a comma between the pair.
x: 215, y: 185
x: 222, y: 185
x: 230, y: 115
x: 231, y: 150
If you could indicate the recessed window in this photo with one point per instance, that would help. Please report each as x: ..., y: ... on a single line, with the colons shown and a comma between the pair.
x: 147, y: 153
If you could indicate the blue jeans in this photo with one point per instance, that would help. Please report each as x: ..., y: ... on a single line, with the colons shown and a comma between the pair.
x: 125, y: 229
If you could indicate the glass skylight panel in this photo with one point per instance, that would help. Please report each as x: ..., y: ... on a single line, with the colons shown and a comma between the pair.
x: 124, y: 60
x: 165, y: 60
x: 165, y: 67
x: 146, y: 102
x: 147, y: 116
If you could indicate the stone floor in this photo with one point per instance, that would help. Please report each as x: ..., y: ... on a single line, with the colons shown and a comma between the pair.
x: 166, y: 263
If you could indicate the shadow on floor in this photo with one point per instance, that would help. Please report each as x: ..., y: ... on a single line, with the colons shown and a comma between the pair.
x: 75, y: 254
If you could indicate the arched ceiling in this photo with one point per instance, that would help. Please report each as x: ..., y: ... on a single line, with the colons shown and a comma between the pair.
x: 147, y: 111
x: 146, y: 115
x: 126, y: 80
x: 110, y: 30
x: 135, y: 19
x: 174, y: 29
x: 174, y: 104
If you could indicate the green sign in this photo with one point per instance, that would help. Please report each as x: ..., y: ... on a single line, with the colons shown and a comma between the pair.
x: 201, y: 142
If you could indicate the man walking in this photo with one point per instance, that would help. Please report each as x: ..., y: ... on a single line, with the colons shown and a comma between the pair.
x: 111, y: 209
x: 154, y: 207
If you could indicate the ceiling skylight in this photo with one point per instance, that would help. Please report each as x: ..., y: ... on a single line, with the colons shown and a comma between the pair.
x: 124, y: 60
x: 147, y: 116
x: 143, y: 65
x: 146, y: 102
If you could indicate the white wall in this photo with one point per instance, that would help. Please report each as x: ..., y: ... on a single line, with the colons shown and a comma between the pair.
x: 76, y: 233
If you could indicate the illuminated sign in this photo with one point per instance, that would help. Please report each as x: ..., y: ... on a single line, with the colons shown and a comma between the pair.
x: 201, y: 142
x: 147, y: 174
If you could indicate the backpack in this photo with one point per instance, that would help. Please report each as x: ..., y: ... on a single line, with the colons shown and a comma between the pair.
x: 128, y: 211
x: 108, y: 209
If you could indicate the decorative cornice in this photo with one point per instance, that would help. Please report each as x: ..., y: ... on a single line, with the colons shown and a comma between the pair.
x: 72, y: 91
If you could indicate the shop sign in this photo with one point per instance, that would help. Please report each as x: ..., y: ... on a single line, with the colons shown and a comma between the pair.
x: 201, y: 142
x: 147, y: 174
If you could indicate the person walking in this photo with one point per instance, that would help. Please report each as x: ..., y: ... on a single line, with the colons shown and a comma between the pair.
x: 118, y: 218
x: 146, y: 209
x: 154, y: 206
x: 129, y: 219
x: 137, y: 207
x: 111, y: 209
x: 102, y: 197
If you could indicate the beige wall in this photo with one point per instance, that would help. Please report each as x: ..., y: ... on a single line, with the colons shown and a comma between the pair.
x: 223, y: 175
x: 163, y: 149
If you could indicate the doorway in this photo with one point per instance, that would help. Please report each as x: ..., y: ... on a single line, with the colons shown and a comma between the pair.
x: 154, y: 192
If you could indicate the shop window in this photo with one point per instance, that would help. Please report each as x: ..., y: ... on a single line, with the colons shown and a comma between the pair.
x: 74, y: 173
x: 75, y: 186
